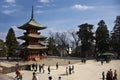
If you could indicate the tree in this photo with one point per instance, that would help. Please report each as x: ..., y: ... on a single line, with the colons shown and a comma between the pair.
x: 3, y: 48
x: 59, y: 43
x: 62, y: 41
x: 75, y: 43
x: 85, y: 35
x: 115, y: 36
x: 11, y: 42
x: 102, y: 37
x: 51, y: 45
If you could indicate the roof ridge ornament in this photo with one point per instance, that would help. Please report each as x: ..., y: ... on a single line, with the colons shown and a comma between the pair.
x: 32, y: 13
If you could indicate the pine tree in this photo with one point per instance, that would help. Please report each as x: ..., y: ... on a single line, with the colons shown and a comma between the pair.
x: 102, y: 37
x: 11, y: 42
x: 115, y: 38
x: 85, y: 35
x: 3, y: 48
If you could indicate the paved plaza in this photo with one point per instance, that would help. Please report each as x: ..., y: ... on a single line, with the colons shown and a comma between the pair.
x: 92, y: 70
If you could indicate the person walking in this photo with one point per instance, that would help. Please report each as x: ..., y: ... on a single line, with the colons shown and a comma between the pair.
x: 101, y: 62
x: 68, y: 62
x: 17, y: 73
x: 66, y: 70
x: 57, y: 65
x: 40, y: 68
x: 50, y: 77
x: 115, y: 75
x: 48, y: 69
x: 108, y: 76
x: 69, y: 69
x: 103, y: 75
x: 59, y: 78
x: 84, y: 60
x: 20, y: 76
x: 111, y: 74
x: 36, y: 65
x: 34, y: 76
x: 72, y: 69
x: 33, y: 66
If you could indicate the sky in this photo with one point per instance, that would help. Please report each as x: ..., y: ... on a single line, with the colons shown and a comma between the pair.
x: 57, y: 15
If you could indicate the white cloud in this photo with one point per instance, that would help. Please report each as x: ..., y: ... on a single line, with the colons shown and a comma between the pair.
x: 44, y: 1
x: 38, y: 11
x: 5, y: 6
x: 8, y: 11
x: 8, y: 6
x: 39, y: 6
x: 82, y: 7
x: 10, y: 1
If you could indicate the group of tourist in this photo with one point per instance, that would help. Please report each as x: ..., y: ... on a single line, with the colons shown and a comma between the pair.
x: 110, y: 75
x: 69, y: 69
x: 106, y: 60
x: 35, y: 67
x: 41, y: 69
x: 83, y: 60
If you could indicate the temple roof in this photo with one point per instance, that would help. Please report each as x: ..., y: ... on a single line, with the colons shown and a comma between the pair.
x: 42, y: 43
x: 32, y: 36
x: 32, y: 23
x: 32, y: 47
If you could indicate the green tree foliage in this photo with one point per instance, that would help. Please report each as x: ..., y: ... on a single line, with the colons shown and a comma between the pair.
x: 52, y: 47
x: 3, y: 48
x: 11, y: 42
x: 115, y: 36
x: 75, y: 44
x: 102, y: 37
x: 85, y: 35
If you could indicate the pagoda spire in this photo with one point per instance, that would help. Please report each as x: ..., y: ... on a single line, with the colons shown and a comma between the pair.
x: 32, y: 13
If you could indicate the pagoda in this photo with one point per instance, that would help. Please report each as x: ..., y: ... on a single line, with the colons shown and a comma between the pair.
x: 33, y: 46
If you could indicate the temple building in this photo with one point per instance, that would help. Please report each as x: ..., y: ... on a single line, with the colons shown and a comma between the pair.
x: 34, y: 45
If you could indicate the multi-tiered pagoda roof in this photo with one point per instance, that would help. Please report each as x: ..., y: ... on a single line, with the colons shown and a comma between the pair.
x: 34, y: 41
x: 32, y: 24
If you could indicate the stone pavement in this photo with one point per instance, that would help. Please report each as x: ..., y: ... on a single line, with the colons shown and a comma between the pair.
x: 90, y: 71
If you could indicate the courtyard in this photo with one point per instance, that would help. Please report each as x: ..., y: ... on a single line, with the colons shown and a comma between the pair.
x: 91, y: 70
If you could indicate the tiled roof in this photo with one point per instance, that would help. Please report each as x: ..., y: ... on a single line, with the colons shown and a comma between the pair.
x: 32, y: 24
x: 42, y: 43
x: 31, y: 36
x: 31, y: 47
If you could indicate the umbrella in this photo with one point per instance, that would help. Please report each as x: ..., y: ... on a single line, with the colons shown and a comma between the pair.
x: 5, y: 77
x: 107, y: 54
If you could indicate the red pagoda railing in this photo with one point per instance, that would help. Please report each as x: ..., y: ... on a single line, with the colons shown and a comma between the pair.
x: 33, y: 58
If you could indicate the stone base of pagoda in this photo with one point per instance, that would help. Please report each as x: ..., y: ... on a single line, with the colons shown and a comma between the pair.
x: 35, y: 58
